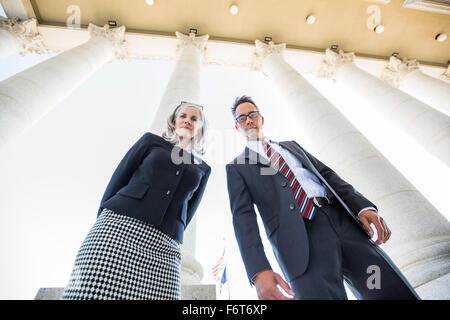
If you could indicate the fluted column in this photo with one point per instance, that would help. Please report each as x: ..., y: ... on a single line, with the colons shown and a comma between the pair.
x: 406, y: 75
x: 27, y: 96
x: 20, y: 37
x: 184, y: 85
x: 420, y: 241
x: 427, y: 126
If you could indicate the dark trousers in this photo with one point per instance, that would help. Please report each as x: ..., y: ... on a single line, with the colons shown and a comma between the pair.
x: 339, y: 250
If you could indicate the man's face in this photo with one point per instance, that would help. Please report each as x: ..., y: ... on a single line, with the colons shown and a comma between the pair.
x: 249, y: 128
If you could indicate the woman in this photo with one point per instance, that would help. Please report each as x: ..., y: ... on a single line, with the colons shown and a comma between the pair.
x: 133, y: 249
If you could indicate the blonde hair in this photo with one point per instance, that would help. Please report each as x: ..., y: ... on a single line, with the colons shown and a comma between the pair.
x: 198, y: 141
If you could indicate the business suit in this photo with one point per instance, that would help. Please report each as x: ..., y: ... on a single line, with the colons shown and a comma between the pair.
x: 295, y: 242
x: 133, y: 250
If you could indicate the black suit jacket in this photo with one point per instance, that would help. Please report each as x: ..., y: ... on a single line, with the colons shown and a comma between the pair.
x: 149, y: 186
x: 252, y: 181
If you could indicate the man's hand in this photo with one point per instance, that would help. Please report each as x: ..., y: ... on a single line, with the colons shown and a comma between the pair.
x: 369, y: 217
x: 266, y: 286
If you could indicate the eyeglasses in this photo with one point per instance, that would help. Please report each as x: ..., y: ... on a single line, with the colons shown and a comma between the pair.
x: 251, y: 115
x: 188, y: 104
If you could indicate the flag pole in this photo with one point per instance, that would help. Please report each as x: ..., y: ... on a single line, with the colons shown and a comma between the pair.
x: 228, y: 287
x: 226, y: 263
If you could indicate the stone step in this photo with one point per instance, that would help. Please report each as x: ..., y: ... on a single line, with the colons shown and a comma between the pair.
x: 191, y: 292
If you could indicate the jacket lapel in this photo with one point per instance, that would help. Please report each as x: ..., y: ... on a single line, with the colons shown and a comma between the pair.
x: 289, y: 145
x: 254, y: 158
x: 187, y: 158
x: 248, y: 156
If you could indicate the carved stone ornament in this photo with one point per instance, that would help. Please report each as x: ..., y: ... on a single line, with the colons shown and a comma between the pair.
x: 262, y: 50
x: 397, y: 69
x: 115, y: 35
x: 26, y: 33
x: 446, y: 75
x: 332, y: 62
x: 191, y: 39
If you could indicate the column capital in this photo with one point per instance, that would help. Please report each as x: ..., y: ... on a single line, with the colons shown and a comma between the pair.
x: 191, y: 39
x: 446, y: 75
x: 397, y: 70
x: 116, y: 36
x: 333, y: 61
x: 26, y: 33
x: 262, y: 50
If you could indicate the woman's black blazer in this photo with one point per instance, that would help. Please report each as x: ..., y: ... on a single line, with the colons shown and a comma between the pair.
x: 148, y: 185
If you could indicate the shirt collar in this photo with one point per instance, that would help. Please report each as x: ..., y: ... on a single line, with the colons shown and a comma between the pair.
x: 257, y: 145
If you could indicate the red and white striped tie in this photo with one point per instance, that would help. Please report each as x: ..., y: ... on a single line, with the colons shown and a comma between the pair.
x: 307, y: 209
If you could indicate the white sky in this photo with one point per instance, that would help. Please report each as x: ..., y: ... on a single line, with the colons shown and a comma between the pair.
x: 53, y: 176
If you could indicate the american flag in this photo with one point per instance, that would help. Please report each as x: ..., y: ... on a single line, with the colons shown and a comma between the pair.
x: 218, y: 268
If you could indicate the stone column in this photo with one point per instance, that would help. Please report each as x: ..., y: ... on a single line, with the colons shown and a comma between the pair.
x: 446, y: 74
x: 427, y: 126
x: 184, y: 85
x: 27, y: 96
x: 20, y: 37
x: 406, y: 75
x: 420, y: 241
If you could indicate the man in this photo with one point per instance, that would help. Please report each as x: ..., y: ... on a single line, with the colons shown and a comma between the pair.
x: 319, y: 226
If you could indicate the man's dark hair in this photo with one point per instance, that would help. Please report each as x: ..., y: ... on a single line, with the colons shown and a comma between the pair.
x: 238, y: 101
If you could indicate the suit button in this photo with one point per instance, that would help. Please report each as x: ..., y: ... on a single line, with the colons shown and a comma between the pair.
x: 291, y: 206
x: 177, y: 173
x: 168, y: 192
x: 284, y: 184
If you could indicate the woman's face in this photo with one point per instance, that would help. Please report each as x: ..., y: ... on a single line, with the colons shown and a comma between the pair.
x: 188, y: 123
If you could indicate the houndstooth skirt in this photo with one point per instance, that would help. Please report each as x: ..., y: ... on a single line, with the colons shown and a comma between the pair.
x: 123, y: 258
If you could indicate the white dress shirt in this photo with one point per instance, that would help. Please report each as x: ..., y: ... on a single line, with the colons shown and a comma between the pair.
x: 307, y: 179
